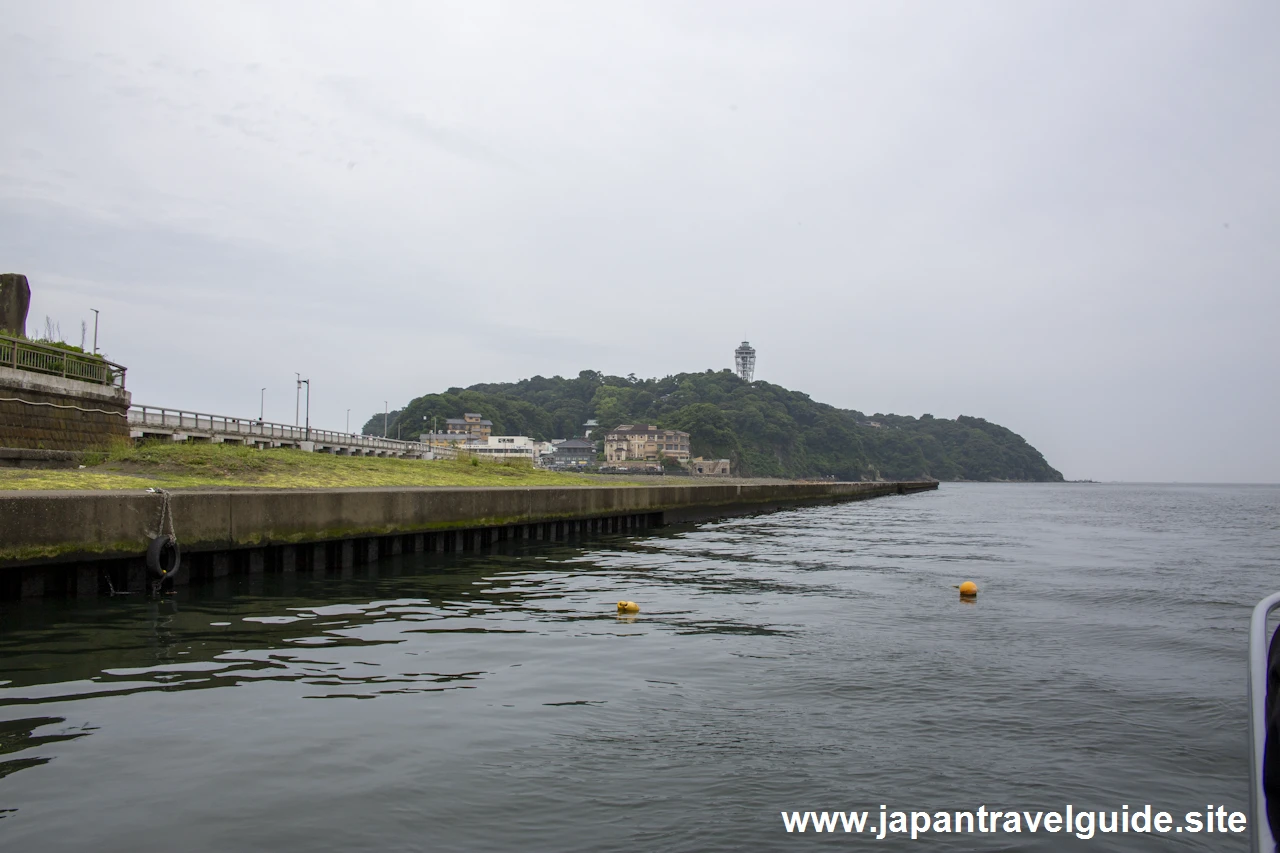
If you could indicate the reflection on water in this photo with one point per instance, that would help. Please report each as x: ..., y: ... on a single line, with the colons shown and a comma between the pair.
x: 27, y: 735
x: 285, y: 627
x: 815, y: 658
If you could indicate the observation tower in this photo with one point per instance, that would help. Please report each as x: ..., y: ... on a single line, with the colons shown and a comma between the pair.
x: 744, y: 361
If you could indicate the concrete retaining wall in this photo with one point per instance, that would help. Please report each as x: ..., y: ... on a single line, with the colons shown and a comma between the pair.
x: 80, y: 529
x: 41, y: 412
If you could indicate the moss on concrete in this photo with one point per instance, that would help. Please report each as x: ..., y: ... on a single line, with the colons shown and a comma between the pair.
x: 25, y: 553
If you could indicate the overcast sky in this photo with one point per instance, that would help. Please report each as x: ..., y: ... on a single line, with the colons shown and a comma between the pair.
x: 1060, y: 216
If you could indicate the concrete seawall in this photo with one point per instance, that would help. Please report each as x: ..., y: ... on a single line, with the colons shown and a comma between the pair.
x: 77, y: 543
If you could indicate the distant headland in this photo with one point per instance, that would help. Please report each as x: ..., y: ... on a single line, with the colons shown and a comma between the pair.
x: 765, y: 430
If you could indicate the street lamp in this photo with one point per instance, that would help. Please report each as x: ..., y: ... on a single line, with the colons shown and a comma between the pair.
x: 297, y: 395
x: 306, y: 382
x: 262, y: 403
x: 348, y: 421
x: 386, y: 409
x: 95, y: 330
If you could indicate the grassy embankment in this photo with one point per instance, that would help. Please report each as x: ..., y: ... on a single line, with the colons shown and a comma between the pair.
x: 185, y: 466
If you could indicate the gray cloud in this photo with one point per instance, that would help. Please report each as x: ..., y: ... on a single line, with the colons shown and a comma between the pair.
x: 1058, y: 216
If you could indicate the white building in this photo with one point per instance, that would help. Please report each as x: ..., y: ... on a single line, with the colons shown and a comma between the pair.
x: 496, y: 447
x: 500, y: 447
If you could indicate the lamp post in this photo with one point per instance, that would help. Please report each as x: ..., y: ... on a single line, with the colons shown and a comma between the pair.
x: 348, y: 421
x: 95, y: 330
x: 307, y: 382
x: 296, y: 396
x: 262, y: 404
x: 386, y: 409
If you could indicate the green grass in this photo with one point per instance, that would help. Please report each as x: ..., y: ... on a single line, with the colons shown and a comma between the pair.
x: 185, y: 466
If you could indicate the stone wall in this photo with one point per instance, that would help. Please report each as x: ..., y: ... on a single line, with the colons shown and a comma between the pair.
x: 51, y: 413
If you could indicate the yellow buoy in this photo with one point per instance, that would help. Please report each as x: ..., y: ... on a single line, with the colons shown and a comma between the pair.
x: 628, y: 607
x: 968, y: 589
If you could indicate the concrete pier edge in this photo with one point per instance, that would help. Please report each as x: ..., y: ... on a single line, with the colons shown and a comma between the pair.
x: 55, y: 539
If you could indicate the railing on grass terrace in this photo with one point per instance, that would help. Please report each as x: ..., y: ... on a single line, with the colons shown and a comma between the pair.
x: 41, y: 357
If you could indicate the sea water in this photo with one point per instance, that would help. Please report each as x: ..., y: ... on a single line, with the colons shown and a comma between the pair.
x: 814, y: 659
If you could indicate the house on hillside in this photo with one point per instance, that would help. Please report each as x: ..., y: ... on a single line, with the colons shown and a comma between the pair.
x: 470, y: 424
x: 630, y: 443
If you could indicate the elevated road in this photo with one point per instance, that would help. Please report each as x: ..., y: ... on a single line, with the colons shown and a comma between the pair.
x: 177, y: 425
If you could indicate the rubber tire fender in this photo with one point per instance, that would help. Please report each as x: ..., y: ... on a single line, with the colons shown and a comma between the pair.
x: 163, y: 557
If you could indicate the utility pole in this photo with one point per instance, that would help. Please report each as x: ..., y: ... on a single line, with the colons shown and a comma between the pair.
x: 262, y: 403
x: 95, y: 330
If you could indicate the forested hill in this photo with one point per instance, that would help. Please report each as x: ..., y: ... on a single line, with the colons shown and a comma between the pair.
x: 767, y: 430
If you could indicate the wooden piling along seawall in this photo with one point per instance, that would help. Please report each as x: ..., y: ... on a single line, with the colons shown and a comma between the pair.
x: 77, y: 543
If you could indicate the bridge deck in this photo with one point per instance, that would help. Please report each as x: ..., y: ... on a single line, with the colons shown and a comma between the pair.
x: 179, y: 425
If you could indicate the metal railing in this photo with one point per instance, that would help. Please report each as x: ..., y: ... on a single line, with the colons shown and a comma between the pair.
x: 1259, y: 664
x: 22, y: 354
x: 178, y: 420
